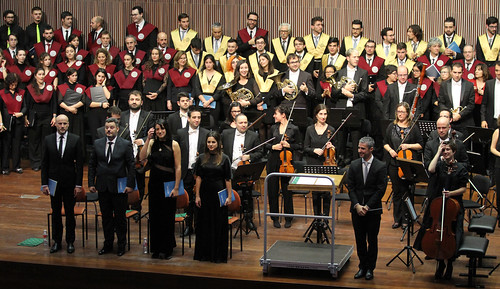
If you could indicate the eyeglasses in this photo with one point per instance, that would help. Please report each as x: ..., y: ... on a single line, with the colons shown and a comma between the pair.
x: 402, y: 75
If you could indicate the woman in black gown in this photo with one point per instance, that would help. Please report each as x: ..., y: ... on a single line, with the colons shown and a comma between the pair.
x: 316, y: 137
x: 164, y: 157
x: 213, y: 174
x: 155, y: 74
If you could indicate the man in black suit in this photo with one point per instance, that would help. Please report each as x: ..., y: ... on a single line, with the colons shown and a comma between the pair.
x: 352, y: 95
x: 112, y: 158
x: 62, y: 162
x: 234, y: 143
x: 136, y: 123
x: 489, y: 113
x: 179, y: 119
x: 400, y: 91
x: 10, y: 27
x: 458, y: 94
x: 303, y: 82
x: 192, y: 140
x: 34, y: 31
x: 441, y: 134
x: 366, y: 182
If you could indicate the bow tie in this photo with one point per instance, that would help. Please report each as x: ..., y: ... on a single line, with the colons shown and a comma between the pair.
x: 183, y: 114
x: 190, y: 132
x: 239, y: 133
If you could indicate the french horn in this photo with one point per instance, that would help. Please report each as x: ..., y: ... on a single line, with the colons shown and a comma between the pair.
x: 287, y: 82
x: 241, y: 94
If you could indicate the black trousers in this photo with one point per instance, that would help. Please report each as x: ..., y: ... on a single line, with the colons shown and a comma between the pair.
x: 36, y: 136
x: 63, y: 195
x: 11, y: 143
x: 113, y: 208
x: 96, y: 118
x: 190, y: 211
x: 273, y: 190
x: 140, y: 178
x: 366, y: 230
x: 400, y: 188
x: 321, y: 208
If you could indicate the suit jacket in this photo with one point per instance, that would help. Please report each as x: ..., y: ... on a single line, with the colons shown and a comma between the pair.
x: 302, y: 100
x: 466, y: 101
x: 14, y: 29
x: 488, y: 104
x: 432, y: 145
x: 174, y: 123
x: 68, y: 170
x: 251, y: 140
x: 359, y: 97
x: 124, y: 123
x: 391, y: 98
x: 103, y: 175
x: 371, y: 192
x: 30, y: 34
x: 183, y: 139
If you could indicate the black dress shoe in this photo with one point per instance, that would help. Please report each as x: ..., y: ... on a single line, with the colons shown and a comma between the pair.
x: 71, y: 248
x: 440, y: 269
x: 189, y: 230
x: 360, y: 274
x: 288, y: 223
x: 155, y: 256
x: 104, y: 251
x: 396, y: 225
x: 449, y: 271
x: 276, y: 223
x: 36, y: 169
x: 369, y: 274
x: 56, y: 247
x: 120, y: 253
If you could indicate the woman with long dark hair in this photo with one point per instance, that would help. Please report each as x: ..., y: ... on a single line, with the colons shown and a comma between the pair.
x: 127, y: 80
x: 155, y: 75
x: 164, y: 157
x: 267, y: 89
x: 41, y: 102
x: 71, y: 101
x: 98, y: 99
x: 71, y: 62
x: 213, y: 174
x: 20, y: 67
x: 481, y: 75
x: 180, y: 79
x: 426, y: 91
x: 230, y: 122
x: 50, y: 72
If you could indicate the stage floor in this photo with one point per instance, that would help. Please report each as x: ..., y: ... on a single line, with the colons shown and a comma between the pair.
x: 30, y: 267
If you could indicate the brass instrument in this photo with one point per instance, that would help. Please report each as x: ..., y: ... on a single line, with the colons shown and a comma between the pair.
x: 344, y: 80
x: 331, y: 81
x: 241, y: 94
x: 287, y: 82
x: 457, y: 110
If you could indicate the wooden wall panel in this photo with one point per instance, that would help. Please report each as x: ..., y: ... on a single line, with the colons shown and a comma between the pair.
x: 338, y: 14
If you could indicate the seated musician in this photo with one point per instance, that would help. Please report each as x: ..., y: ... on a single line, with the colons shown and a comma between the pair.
x: 235, y: 142
x: 450, y: 180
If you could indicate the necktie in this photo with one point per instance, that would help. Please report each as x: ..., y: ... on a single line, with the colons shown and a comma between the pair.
x: 110, y: 143
x: 182, y: 34
x: 163, y: 51
x: 331, y: 61
x: 48, y: 47
x: 490, y: 41
x: 8, y: 33
x: 37, y: 33
x: 283, y: 45
x: 251, y: 34
x: 13, y: 54
x: 432, y: 61
x: 467, y: 66
x: 370, y: 62
x: 137, y: 26
x: 386, y: 50
x: 61, y: 139
x: 315, y: 41
x: 365, y: 171
x: 67, y: 36
x: 216, y: 46
x: 354, y: 43
x: 95, y: 35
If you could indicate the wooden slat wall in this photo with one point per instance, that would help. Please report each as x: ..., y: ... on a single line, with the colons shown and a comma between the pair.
x: 338, y: 14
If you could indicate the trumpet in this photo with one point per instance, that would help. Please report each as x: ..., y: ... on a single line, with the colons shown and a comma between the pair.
x: 241, y: 94
x: 458, y: 109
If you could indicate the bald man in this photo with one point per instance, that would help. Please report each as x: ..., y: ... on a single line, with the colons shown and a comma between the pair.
x: 444, y: 132
x: 162, y: 42
x: 94, y: 36
x: 62, y: 164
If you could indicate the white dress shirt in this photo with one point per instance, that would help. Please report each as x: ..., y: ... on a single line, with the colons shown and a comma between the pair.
x: 58, y: 139
x: 456, y: 92
x: 401, y: 89
x: 496, y: 98
x: 350, y: 75
x: 193, y: 145
x: 132, y: 124
x: 239, y: 141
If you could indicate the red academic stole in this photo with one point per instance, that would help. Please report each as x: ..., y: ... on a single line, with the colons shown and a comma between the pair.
x: 469, y: 74
x: 143, y: 34
x: 426, y: 84
x: 45, y: 97
x: 59, y: 37
x: 8, y: 57
x: 55, y: 47
x: 49, y: 77
x: 181, y: 79
x: 374, y: 69
x: 80, y: 55
x: 440, y: 62
x: 129, y: 81
x: 325, y: 86
x: 63, y: 67
x: 25, y: 75
x: 382, y: 87
x: 90, y: 40
x: 13, y: 103
x: 63, y: 88
x: 245, y: 37
x: 169, y: 54
x: 158, y: 75
x: 110, y: 69
x: 139, y: 56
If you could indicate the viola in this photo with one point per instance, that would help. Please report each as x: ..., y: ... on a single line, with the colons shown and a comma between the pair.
x: 329, y: 154
x: 439, y: 240
x: 286, y: 159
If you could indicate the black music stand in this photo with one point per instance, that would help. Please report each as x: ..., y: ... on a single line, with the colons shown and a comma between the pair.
x: 338, y: 115
x: 414, y: 172
x: 161, y: 114
x: 299, y: 117
x: 321, y: 226
x: 207, y: 121
x: 476, y: 163
x: 246, y: 176
x: 426, y: 127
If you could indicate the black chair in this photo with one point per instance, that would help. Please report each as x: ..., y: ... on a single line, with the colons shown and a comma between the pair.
x: 480, y: 184
x: 91, y: 198
x: 474, y: 248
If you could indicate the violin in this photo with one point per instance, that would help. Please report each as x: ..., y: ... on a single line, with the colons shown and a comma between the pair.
x: 286, y: 159
x: 329, y: 154
x: 241, y: 162
x: 403, y: 154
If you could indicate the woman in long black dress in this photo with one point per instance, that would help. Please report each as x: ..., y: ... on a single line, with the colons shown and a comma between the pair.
x: 41, y: 102
x: 213, y: 174
x: 292, y: 143
x: 164, y: 157
x: 394, y: 135
x: 316, y: 138
x: 155, y: 74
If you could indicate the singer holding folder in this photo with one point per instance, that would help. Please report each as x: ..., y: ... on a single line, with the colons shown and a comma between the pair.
x: 164, y: 157
x: 213, y: 174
